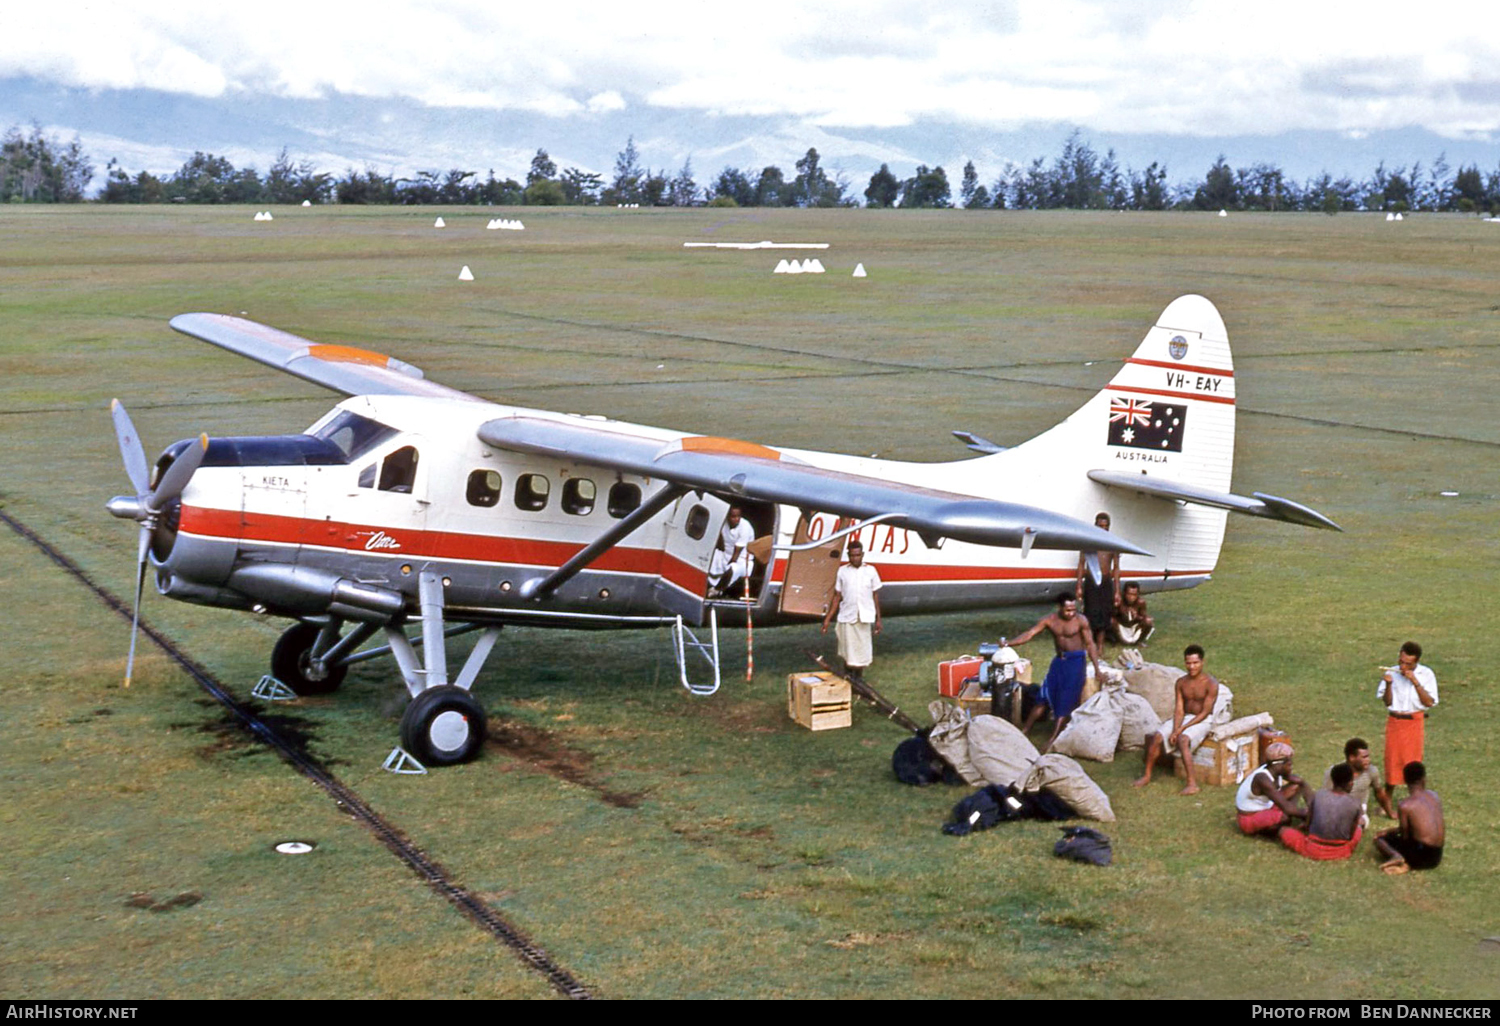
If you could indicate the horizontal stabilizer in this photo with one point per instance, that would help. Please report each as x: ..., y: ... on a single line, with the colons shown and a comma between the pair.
x: 1269, y: 506
x: 733, y: 468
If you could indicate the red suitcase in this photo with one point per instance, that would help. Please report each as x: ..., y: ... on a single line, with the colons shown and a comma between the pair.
x: 953, y: 673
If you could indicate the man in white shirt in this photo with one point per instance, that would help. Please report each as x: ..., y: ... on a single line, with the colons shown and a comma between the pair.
x: 731, y: 561
x: 1408, y: 690
x: 856, y: 603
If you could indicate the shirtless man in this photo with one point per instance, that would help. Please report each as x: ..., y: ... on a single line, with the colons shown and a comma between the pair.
x: 1334, y: 821
x: 1130, y: 624
x: 1063, y: 688
x: 1196, y: 694
x: 1263, y: 804
x: 1418, y: 842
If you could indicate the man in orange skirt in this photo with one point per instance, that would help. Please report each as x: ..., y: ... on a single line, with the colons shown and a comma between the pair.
x: 1408, y: 690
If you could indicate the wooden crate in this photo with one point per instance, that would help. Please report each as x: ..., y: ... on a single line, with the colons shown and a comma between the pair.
x: 1223, y: 763
x: 819, y: 700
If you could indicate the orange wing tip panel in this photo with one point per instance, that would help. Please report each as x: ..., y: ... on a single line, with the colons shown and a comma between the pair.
x: 728, y: 446
x: 351, y: 354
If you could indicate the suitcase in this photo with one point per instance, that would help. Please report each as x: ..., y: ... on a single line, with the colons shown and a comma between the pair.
x: 953, y: 672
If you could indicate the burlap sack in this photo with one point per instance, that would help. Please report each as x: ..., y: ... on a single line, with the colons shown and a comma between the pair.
x: 1157, y: 684
x: 999, y: 751
x: 1094, y: 728
x: 1138, y: 721
x: 1066, y: 779
x: 950, y: 739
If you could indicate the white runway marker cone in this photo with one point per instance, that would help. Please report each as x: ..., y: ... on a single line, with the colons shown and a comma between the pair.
x: 466, y: 274
x: 859, y: 271
x: 439, y: 223
x: 782, y: 267
x: 307, y: 203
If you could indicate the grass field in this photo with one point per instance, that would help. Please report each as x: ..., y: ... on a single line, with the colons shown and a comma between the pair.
x: 664, y: 846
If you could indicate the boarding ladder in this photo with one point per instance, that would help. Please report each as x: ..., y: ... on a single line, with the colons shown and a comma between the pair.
x: 683, y: 640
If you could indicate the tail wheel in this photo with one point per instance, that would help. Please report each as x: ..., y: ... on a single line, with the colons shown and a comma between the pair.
x: 291, y: 662
x: 443, y: 726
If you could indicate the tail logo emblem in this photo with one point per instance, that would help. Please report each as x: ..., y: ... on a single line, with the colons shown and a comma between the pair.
x: 1177, y: 347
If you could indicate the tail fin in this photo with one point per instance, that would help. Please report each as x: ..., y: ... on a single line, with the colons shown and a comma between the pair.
x: 1166, y: 417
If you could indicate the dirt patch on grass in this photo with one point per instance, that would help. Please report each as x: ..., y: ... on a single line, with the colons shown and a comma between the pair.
x: 140, y: 899
x: 231, y: 736
x: 542, y: 750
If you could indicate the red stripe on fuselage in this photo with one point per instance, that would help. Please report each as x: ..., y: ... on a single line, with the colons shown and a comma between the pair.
x: 486, y: 548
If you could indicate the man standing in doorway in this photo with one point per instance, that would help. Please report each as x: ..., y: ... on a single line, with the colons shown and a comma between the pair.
x: 731, y: 559
x: 1408, y: 690
x: 856, y: 603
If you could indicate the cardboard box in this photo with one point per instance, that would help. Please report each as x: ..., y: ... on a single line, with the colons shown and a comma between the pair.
x: 819, y: 700
x: 953, y: 672
x: 1223, y: 763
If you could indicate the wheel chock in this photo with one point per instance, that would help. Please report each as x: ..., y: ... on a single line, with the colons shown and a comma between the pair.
x: 403, y: 762
x: 272, y: 690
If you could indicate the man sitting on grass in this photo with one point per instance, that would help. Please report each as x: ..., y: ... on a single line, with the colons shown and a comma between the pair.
x: 1264, y: 800
x: 1418, y: 842
x: 1366, y: 779
x: 1333, y: 821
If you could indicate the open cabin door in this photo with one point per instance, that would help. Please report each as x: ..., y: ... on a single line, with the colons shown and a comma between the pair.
x: 807, y: 589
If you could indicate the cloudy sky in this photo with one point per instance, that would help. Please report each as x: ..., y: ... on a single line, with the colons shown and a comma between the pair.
x: 402, y: 85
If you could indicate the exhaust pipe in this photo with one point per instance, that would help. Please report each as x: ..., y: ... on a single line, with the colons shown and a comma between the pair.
x: 306, y: 591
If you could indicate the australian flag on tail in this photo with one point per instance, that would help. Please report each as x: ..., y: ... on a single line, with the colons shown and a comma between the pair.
x: 1143, y: 424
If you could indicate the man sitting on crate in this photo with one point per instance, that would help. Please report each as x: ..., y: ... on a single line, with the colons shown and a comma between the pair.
x: 1196, y: 695
x: 1333, y: 821
x: 1062, y: 690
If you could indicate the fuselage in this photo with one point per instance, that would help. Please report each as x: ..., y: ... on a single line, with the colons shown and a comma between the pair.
x: 343, y: 517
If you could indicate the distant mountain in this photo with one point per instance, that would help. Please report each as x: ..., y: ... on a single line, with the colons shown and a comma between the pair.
x: 155, y: 131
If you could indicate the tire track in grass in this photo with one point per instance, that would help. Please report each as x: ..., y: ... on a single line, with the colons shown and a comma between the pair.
x: 394, y: 840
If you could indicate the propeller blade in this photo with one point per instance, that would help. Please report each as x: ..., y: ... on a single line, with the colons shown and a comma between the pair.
x: 140, y: 581
x: 131, y: 450
x: 178, y: 475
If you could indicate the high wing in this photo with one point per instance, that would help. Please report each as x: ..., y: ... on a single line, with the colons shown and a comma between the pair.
x: 1271, y: 507
x: 736, y: 468
x: 341, y: 368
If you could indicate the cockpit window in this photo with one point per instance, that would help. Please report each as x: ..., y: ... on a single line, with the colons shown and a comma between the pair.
x: 354, y: 435
x: 399, y: 471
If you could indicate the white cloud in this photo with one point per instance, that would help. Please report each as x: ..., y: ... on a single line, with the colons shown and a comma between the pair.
x: 1164, y: 66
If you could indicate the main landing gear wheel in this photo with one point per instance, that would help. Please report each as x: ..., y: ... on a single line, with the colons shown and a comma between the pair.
x: 291, y: 662
x: 443, y: 725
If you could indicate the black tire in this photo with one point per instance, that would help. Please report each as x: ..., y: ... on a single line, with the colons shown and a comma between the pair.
x: 443, y: 726
x: 289, y: 662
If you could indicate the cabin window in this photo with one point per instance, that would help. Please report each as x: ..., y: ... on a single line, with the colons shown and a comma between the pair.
x: 399, y: 471
x: 531, y: 491
x: 697, y: 522
x: 578, y: 496
x: 623, y: 499
x: 484, y: 488
x: 367, y: 477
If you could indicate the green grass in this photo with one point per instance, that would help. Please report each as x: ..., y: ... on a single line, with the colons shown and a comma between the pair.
x: 754, y: 858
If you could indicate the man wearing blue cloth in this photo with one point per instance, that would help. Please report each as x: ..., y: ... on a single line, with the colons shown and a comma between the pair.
x: 1063, y: 688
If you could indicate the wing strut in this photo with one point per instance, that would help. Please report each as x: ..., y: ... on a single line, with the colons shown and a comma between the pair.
x: 541, y: 587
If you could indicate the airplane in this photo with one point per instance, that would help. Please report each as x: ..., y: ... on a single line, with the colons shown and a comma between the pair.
x: 414, y: 504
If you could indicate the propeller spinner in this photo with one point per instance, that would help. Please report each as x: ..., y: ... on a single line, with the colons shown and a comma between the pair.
x: 148, y: 504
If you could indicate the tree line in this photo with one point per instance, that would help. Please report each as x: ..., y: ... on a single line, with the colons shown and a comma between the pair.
x: 41, y: 169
